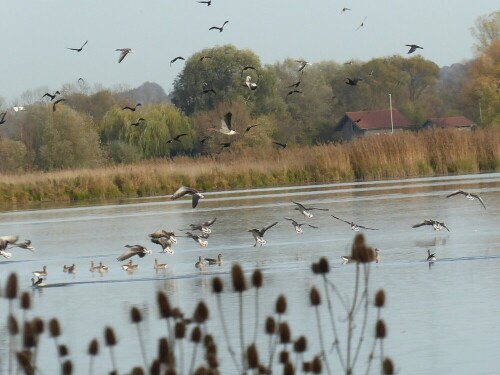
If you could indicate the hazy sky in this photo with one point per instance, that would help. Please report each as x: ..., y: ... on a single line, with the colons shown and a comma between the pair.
x: 35, y: 34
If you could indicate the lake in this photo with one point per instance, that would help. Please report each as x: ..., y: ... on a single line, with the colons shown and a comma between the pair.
x: 441, y: 318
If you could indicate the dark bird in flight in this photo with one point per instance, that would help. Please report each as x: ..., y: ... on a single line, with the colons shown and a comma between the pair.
x: 219, y: 28
x: 293, y: 92
x: 205, y: 57
x: 282, y: 145
x: 248, y: 67
x: 296, y: 84
x: 185, y: 190
x: 132, y: 108
x: 124, y: 52
x: 52, y: 97
x: 81, y: 80
x: 55, y: 103
x: 175, y: 59
x: 344, y: 9
x: 208, y: 2
x: 79, y: 49
x: 469, y: 196
x: 362, y: 24
x: 250, y: 127
x: 138, y: 122
x: 201, y: 238
x: 259, y: 234
x: 430, y: 256
x: 302, y: 64
x: 305, y: 210
x: 413, y: 47
x: 354, y: 227
x: 2, y: 117
x: 176, y: 138
x: 204, y: 227
x: 298, y: 226
x: 132, y: 250
x: 435, y: 224
x: 207, y: 91
x: 353, y: 81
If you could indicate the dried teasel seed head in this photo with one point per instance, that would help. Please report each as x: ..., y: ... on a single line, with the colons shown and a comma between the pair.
x: 281, y: 304
x: 380, y: 298
x: 25, y: 301
x: 28, y: 336
x: 252, y: 357
x: 270, y: 325
x: 217, y: 285
x: 257, y: 278
x: 211, y: 349
x: 13, y: 326
x: 38, y: 326
x: 24, y: 360
x: 316, y: 365
x: 93, y: 347
x: 177, y: 313
x: 208, y: 340
x: 200, y: 371
x: 137, y: 371
x: 196, y: 334
x: 263, y: 370
x: 315, y: 297
x: 109, y: 336
x: 54, y: 328
x: 67, y: 367
x: 11, y: 287
x: 212, y: 361
x: 380, y: 330
x: 300, y: 345
x: 170, y: 371
x: 288, y: 369
x: 315, y: 268
x: 239, y: 284
x: 163, y: 350
x: 155, y: 367
x: 163, y: 305
x: 201, y: 313
x: 306, y: 367
x: 284, y: 355
x: 63, y: 350
x: 285, y: 334
x: 388, y: 367
x: 323, y: 265
x: 180, y: 330
x: 135, y: 315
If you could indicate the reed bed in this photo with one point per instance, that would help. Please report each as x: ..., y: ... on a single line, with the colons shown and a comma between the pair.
x: 426, y: 153
x: 187, y: 346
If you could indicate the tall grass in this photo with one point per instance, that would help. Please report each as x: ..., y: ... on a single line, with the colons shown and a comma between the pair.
x: 426, y: 153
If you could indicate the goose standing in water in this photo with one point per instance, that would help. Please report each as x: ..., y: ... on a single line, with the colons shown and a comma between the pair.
x: 159, y: 266
x: 201, y: 239
x: 435, y: 224
x: 298, y: 226
x: 431, y: 257
x: 204, y: 227
x: 100, y: 268
x: 305, y: 210
x: 130, y: 266
x: 42, y: 273
x: 69, y: 269
x: 200, y: 264
x: 259, y: 234
x: 219, y: 261
x: 37, y: 283
x: 354, y: 227
x: 139, y: 250
x: 469, y: 196
x: 183, y: 190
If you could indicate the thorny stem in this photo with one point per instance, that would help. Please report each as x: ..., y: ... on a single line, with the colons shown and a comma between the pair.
x: 256, y: 314
x: 366, y: 270
x: 193, y: 359
x: 372, y: 352
x: 320, y: 333
x: 141, y: 342
x: 226, y: 335
x: 332, y: 320
x: 242, y: 338
x: 350, y: 319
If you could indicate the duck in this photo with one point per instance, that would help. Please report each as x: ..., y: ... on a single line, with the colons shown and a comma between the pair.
x: 431, y: 257
x: 219, y: 261
x: 69, y: 269
x: 159, y: 266
x: 130, y: 266
x: 200, y: 264
x: 42, y: 273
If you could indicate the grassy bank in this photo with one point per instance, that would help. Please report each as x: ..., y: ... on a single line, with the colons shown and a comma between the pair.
x: 425, y: 153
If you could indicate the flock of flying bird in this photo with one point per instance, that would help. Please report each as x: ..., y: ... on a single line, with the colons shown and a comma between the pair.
x: 200, y: 232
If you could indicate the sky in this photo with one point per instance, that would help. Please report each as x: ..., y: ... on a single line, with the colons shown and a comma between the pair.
x: 36, y: 34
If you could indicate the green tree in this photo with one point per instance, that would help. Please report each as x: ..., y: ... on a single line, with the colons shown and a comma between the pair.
x: 12, y: 155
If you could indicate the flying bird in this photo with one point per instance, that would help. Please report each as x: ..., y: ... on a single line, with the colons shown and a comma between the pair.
x: 435, y: 224
x: 51, y: 96
x: 259, y: 234
x: 226, y: 126
x: 6, y: 241
x: 133, y: 109
x: 57, y: 102
x: 208, y: 2
x: 124, y: 52
x: 206, y: 91
x: 138, y: 122
x: 177, y: 138
x: 344, y: 10
x: 202, y: 141
x: 282, y: 145
x: 251, y: 127
x: 204, y: 227
x: 201, y: 239
x: 79, y: 49
x: 219, y: 28
x: 296, y: 84
x: 469, y: 196
x: 17, y: 108
x: 25, y: 245
x: 413, y: 47
x: 430, y: 256
x: 132, y: 250
x: 81, y: 80
x: 293, y: 92
x: 353, y: 81
x: 165, y: 243
x: 298, y: 226
x: 185, y: 190
x: 354, y: 227
x: 362, y: 24
x: 302, y: 64
x: 175, y: 59
x: 305, y: 210
x: 2, y: 117
x: 251, y: 85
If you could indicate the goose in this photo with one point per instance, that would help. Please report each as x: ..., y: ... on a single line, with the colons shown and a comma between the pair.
x: 219, y: 28
x: 296, y: 84
x: 177, y: 138
x: 298, y: 226
x: 2, y: 117
x: 251, y: 127
x: 377, y: 255
x: 208, y: 2
x: 79, y: 49
x: 353, y: 81
x: 225, y: 125
x: 165, y: 243
x: 200, y: 239
x: 305, y: 210
x: 206, y: 91
x: 282, y: 145
x: 25, y: 245
x: 102, y: 267
x: 56, y: 103
x: 219, y: 261
x: 132, y: 250
x: 204, y: 227
x: 302, y: 64
x: 435, y: 224
x: 469, y: 196
x: 138, y: 122
x: 133, y: 109
x: 344, y: 10
x: 42, y: 273
x: 159, y: 266
x: 5, y: 254
x: 38, y: 282
x: 430, y: 256
x: 162, y: 233
x: 183, y: 190
x: 293, y: 92
x: 124, y: 52
x: 69, y: 269
x: 7, y: 240
x: 175, y: 59
x: 52, y: 97
x: 93, y: 268
x: 200, y: 264
x: 346, y: 259
x: 130, y: 266
x: 362, y: 23
x: 251, y: 85
x: 354, y: 227
x: 259, y: 234
x: 413, y: 47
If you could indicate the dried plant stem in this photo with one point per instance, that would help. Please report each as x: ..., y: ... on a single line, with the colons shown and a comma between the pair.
x: 350, y: 321
x: 91, y: 365
x: 335, y: 290
x: 381, y: 352
x: 193, y: 359
x: 275, y: 343
x: 141, y: 343
x: 256, y: 315
x: 226, y: 335
x: 58, y: 356
x: 242, y: 332
x: 113, y: 360
x: 366, y: 269
x: 181, y: 357
x: 372, y: 351
x: 334, y: 327
x: 11, y: 343
x: 321, y: 341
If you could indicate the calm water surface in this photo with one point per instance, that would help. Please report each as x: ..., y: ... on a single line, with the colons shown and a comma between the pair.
x: 442, y: 319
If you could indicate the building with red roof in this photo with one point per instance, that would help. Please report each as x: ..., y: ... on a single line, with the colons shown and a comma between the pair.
x: 456, y: 122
